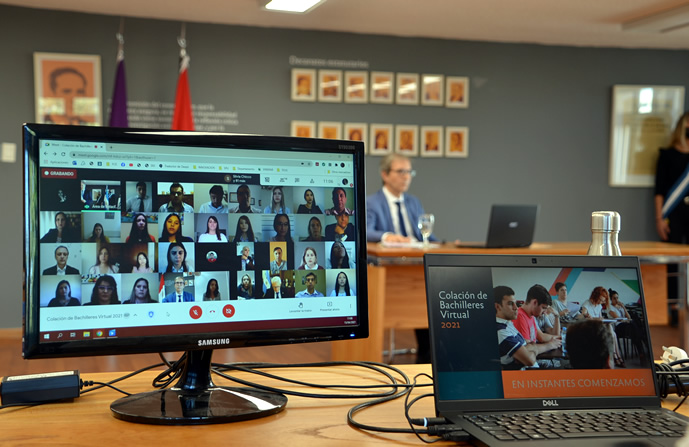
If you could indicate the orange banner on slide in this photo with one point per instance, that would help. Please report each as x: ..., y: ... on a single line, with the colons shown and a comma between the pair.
x: 577, y: 383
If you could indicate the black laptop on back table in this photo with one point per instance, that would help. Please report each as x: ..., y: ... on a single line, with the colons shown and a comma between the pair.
x: 509, y: 226
x: 480, y: 385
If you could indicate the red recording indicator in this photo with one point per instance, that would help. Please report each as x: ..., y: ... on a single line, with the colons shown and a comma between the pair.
x: 228, y: 311
x: 195, y: 312
x: 58, y: 173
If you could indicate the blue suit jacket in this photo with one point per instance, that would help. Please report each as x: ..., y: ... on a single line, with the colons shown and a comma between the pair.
x: 379, y: 219
x: 172, y: 298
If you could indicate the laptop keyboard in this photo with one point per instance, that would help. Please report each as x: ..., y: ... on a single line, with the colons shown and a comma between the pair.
x: 581, y: 424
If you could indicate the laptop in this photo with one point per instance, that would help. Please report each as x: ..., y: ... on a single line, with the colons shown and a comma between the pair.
x: 510, y: 226
x: 477, y: 379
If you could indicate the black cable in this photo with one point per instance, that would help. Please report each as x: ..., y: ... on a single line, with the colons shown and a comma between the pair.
x: 667, y: 375
x: 100, y: 385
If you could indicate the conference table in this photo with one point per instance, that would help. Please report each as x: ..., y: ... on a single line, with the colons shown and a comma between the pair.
x: 87, y: 420
x: 397, y: 293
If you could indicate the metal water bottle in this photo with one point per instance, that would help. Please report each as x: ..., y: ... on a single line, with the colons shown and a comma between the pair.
x: 605, y: 227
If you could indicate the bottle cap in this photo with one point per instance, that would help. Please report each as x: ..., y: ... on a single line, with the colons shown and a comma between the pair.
x: 605, y: 221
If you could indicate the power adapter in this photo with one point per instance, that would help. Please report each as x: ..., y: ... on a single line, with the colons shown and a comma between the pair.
x: 37, y: 388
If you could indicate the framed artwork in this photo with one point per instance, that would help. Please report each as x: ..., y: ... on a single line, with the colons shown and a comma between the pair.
x: 407, y: 140
x: 304, y: 129
x: 67, y: 89
x: 431, y: 141
x: 432, y: 88
x: 457, y: 92
x: 382, y: 87
x: 303, y: 84
x: 407, y: 89
x: 330, y: 85
x: 381, y: 139
x: 356, y: 87
x: 642, y: 119
x: 357, y: 132
x: 331, y: 130
x: 457, y: 142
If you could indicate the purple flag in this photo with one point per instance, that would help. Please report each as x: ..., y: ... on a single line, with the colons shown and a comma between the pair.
x: 118, y: 107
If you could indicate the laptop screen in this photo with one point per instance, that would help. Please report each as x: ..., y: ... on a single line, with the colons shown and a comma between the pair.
x: 519, y: 349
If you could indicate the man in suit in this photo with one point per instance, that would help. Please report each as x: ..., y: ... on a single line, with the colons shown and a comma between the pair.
x: 179, y: 295
x: 276, y: 290
x: 61, y: 268
x: 392, y: 215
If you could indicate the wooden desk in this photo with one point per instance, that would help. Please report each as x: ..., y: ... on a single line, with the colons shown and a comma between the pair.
x: 87, y: 421
x: 397, y: 294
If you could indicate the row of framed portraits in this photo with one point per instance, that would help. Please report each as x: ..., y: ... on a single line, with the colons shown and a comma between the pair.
x: 379, y: 87
x: 382, y: 139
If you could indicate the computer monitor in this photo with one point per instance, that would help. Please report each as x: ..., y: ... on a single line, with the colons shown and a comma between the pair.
x: 140, y: 241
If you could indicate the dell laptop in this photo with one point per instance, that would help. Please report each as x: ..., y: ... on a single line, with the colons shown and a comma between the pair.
x: 510, y: 226
x: 482, y: 386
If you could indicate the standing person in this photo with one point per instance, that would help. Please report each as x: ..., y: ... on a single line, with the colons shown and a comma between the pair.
x: 671, y: 199
x: 391, y: 214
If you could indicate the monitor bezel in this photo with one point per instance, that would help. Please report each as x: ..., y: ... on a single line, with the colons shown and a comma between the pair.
x: 32, y: 348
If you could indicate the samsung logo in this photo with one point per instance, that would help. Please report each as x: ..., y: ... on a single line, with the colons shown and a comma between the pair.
x: 214, y: 342
x: 550, y: 403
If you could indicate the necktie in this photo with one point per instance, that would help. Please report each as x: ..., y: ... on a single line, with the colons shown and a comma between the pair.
x: 179, y: 298
x: 403, y: 230
x: 141, y: 205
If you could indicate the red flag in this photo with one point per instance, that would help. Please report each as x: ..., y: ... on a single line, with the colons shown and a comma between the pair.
x: 183, y: 118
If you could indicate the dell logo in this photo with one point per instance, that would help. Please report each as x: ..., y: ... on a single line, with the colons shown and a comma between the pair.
x: 513, y: 224
x: 550, y: 403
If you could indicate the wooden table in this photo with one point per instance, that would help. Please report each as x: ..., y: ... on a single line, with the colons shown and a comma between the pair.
x: 87, y: 420
x: 397, y: 294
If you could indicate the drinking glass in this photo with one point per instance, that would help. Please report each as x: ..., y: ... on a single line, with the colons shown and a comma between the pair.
x: 425, y: 224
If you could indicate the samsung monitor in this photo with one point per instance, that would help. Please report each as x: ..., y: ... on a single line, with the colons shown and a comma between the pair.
x: 140, y: 241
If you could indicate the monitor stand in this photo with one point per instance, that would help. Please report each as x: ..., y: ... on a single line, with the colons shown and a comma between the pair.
x: 195, y: 400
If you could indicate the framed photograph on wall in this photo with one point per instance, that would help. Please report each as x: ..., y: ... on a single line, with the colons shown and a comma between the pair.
x: 432, y: 88
x: 382, y: 87
x: 356, y: 132
x: 457, y: 92
x: 67, y: 89
x: 643, y: 117
x: 407, y: 89
x: 431, y: 141
x: 330, y: 85
x: 407, y: 140
x: 304, y: 129
x: 381, y: 139
x: 356, y: 87
x: 457, y: 142
x: 303, y: 84
x: 331, y: 130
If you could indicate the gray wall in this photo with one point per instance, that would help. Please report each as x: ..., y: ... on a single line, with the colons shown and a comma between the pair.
x: 539, y: 116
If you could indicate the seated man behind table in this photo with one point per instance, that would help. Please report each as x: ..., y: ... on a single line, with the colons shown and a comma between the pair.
x: 515, y: 352
x: 391, y: 216
x: 537, y: 301
x: 590, y: 345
